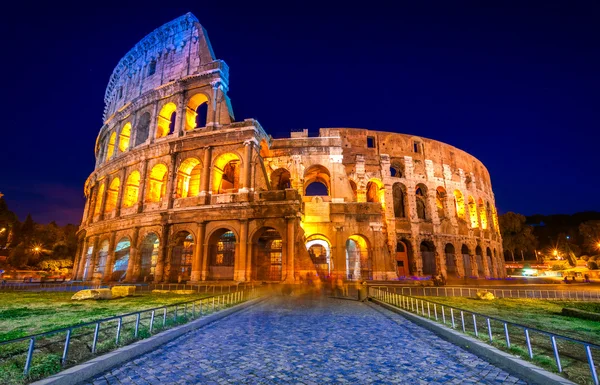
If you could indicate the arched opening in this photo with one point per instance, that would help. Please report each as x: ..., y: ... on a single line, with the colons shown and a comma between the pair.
x: 110, y: 150
x: 142, y: 129
x: 479, y: 256
x: 459, y: 201
x: 466, y: 254
x: 181, y: 257
x: 166, y: 120
x: 124, y: 137
x: 399, y: 194
x: 451, y: 269
x: 421, y: 200
x: 495, y: 219
x: 482, y: 215
x: 319, y: 250
x: 196, y: 112
x: 267, y: 255
x: 428, y: 257
x: 112, y: 195
x: 99, y: 196
x: 100, y: 267
x: 87, y: 258
x: 402, y: 259
x: 149, y: 257
x: 440, y: 198
x: 157, y: 183
x: 188, y: 178
x: 473, y: 213
x: 358, y: 261
x: 375, y: 191
x: 226, y: 174
x: 132, y: 188
x: 396, y: 169
x: 318, y: 176
x: 122, y: 250
x: 354, y: 192
x: 490, y: 261
x: 281, y: 179
x: 222, y: 245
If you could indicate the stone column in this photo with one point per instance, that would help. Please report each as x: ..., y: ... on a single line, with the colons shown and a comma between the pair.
x: 171, y: 181
x: 121, y: 192
x: 290, y: 252
x: 153, y: 124
x: 239, y: 270
x: 246, y: 179
x: 94, y: 259
x: 180, y: 124
x: 205, y: 182
x: 338, y: 253
x: 83, y: 259
x: 92, y: 200
x: 162, y: 254
x: 77, y: 268
x: 110, y: 258
x: 198, y: 253
x: 214, y: 123
x: 142, y: 189
x: 130, y: 276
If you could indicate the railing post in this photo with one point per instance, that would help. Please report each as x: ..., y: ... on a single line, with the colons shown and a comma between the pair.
x: 96, y: 331
x: 29, y: 356
x: 489, y: 325
x: 213, y: 304
x: 63, y: 360
x: 475, y: 325
x: 193, y: 310
x: 588, y: 353
x: 151, y: 321
x: 452, y: 315
x: 435, y: 311
x: 528, y: 340
x: 119, y: 325
x: 506, y: 335
x: 462, y: 318
x: 556, y: 356
x: 165, y: 317
x: 443, y: 315
x: 428, y: 310
x: 137, y: 324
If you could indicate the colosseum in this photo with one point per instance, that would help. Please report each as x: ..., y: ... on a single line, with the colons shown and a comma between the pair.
x: 183, y: 192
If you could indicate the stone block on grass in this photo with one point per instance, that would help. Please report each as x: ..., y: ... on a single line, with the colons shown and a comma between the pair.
x: 484, y: 295
x: 122, y: 291
x: 92, y: 294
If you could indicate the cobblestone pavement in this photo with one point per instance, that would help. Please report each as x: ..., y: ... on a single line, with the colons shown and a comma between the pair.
x: 309, y: 341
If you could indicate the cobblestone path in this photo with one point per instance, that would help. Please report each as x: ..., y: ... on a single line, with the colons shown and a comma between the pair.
x: 309, y: 341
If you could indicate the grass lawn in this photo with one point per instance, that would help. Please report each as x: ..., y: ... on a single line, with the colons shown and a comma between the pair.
x: 539, y: 314
x: 23, y: 313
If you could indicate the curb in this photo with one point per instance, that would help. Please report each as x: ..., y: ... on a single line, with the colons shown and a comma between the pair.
x: 98, y: 365
x: 512, y: 364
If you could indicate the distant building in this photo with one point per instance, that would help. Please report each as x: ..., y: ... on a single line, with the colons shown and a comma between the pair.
x: 182, y: 192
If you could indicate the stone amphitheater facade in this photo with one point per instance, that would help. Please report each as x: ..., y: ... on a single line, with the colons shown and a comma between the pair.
x: 182, y: 192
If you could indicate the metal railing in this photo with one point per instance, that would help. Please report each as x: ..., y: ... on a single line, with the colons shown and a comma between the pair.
x: 571, y: 295
x: 88, y: 339
x: 574, y: 352
x: 76, y: 286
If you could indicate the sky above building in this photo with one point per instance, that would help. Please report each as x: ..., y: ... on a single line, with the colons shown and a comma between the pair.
x: 513, y: 83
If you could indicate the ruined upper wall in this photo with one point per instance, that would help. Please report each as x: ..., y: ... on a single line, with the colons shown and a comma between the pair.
x: 177, y: 49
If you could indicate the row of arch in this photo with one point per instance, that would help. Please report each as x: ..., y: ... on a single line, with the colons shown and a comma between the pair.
x: 150, y: 262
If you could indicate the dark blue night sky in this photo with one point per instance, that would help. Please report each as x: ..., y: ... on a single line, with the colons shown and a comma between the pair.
x: 516, y: 84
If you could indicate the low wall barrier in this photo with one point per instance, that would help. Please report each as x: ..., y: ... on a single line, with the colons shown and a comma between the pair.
x: 140, y: 287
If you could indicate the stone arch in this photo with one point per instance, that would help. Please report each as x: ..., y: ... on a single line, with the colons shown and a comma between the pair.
x: 281, y: 179
x: 421, y: 201
x: 399, y: 196
x: 459, y: 202
x: 196, y: 112
x: 142, y: 129
x: 427, y: 249
x: 110, y: 149
x: 490, y: 262
x: 112, y: 195
x: 99, y: 197
x: 410, y: 253
x: 132, y: 189
x: 318, y: 247
x: 396, y: 169
x: 166, y: 120
x: 479, y: 258
x: 157, y: 183
x: 359, y: 264
x: 451, y: 268
x: 267, y: 255
x: 402, y: 259
x: 149, y: 249
x: 121, y: 259
x: 222, y: 250
x: 188, y: 178
x: 440, y: 199
x: 495, y: 219
x: 318, y: 176
x: 473, y: 212
x: 101, y: 260
x: 124, y: 137
x: 182, y: 253
x: 482, y: 214
x: 466, y: 255
x: 375, y: 191
x: 354, y: 190
x: 226, y: 173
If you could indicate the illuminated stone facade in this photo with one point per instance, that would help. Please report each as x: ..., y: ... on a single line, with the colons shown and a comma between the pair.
x: 182, y: 192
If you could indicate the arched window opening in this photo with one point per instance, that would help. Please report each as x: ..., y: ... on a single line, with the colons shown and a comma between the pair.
x: 226, y: 174
x: 451, y: 269
x: 482, y: 215
x: 110, y: 150
x: 280, y: 179
x: 99, y: 269
x: 466, y: 254
x: 152, y: 68
x: 399, y: 194
x: 149, y: 257
x: 88, y: 261
x: 428, y: 257
x: 421, y: 200
x: 316, y: 189
x: 132, y: 188
x: 267, y: 259
x: 181, y: 257
x: 354, y: 192
x: 459, y: 201
x: 440, y: 198
x: 112, y: 195
x: 397, y: 170
x: 319, y: 174
x: 166, y: 120
x: 99, y: 197
x: 375, y: 191
x: 188, y: 178
x: 196, y: 112
x: 222, y: 245
x: 121, y: 259
x: 319, y: 250
x: 490, y: 262
x: 358, y: 261
x: 142, y: 129
x: 473, y: 213
x: 124, y: 137
x: 402, y: 267
x: 479, y: 255
x: 157, y: 183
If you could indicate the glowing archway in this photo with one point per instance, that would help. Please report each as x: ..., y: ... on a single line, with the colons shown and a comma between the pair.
x: 110, y: 151
x: 482, y: 214
x: 375, y: 191
x: 157, y: 183
x: 226, y: 173
x: 460, y: 204
x: 132, y: 188
x: 196, y: 111
x: 124, y: 137
x: 166, y: 120
x: 99, y: 197
x: 358, y: 261
x: 473, y: 212
x: 112, y: 195
x: 188, y: 178
x: 319, y: 250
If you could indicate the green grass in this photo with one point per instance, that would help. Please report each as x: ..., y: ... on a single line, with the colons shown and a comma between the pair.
x: 22, y: 314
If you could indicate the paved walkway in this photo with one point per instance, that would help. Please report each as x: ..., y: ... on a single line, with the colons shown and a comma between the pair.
x: 309, y: 341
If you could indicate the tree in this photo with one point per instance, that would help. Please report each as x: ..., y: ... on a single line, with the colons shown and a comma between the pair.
x: 590, y: 232
x: 516, y: 235
x: 8, y: 221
